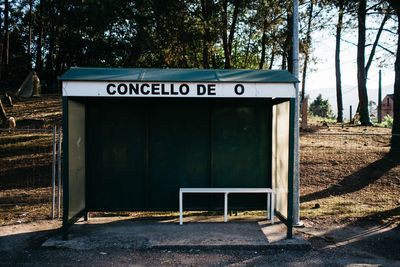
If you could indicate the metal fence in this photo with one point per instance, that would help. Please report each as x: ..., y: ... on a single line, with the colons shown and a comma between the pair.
x: 30, y: 174
x: 348, y: 177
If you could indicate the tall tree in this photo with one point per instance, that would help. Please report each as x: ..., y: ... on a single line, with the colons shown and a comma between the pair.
x: 339, y: 99
x: 307, y: 47
x: 395, y: 142
x: 6, y: 38
x: 362, y: 69
x: 270, y: 15
x: 30, y: 34
x: 39, y: 44
x: 227, y: 40
x: 361, y: 75
x: 207, y: 7
x: 289, y: 37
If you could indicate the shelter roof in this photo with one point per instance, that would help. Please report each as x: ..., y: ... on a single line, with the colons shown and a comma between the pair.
x: 178, y: 75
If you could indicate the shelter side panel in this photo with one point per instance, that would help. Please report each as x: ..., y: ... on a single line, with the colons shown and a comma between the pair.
x: 280, y: 155
x: 76, y: 158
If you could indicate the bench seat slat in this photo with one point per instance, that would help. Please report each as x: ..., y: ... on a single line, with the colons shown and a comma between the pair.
x: 225, y: 190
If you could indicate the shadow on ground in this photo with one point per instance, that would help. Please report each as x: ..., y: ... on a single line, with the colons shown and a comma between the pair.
x: 361, y: 236
x: 356, y: 181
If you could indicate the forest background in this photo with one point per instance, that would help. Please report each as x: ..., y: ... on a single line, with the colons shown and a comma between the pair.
x: 50, y: 36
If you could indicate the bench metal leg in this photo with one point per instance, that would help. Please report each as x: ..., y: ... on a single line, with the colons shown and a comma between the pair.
x: 86, y: 216
x: 272, y: 207
x: 225, y: 207
x: 268, y: 206
x: 180, y: 208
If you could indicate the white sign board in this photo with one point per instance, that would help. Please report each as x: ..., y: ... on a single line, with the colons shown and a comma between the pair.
x: 168, y: 89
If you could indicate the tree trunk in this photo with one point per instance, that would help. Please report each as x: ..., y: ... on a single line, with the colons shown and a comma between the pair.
x: 214, y: 62
x: 248, y: 48
x: 263, y: 44
x: 3, y: 115
x: 271, y: 63
x: 206, y: 8
x: 395, y: 143
x: 308, y: 43
x: 232, y: 31
x: 339, y: 98
x: 6, y: 38
x: 39, y: 45
x: 289, y: 40
x: 283, y: 61
x: 224, y: 33
x: 378, y: 35
x: 228, y: 41
x: 1, y: 49
x: 30, y: 35
x: 50, y: 62
x: 361, y: 75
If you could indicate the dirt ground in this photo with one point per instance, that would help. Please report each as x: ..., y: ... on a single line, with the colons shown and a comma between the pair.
x: 331, y: 246
x: 344, y: 178
x: 348, y: 178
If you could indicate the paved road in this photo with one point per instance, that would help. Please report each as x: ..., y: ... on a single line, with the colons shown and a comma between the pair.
x: 332, y: 246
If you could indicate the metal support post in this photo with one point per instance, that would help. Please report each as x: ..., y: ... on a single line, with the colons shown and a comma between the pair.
x: 59, y: 173
x: 268, y: 206
x: 180, y: 208
x: 380, y: 97
x: 351, y: 113
x: 226, y: 207
x: 272, y: 207
x: 53, y: 174
x: 296, y: 191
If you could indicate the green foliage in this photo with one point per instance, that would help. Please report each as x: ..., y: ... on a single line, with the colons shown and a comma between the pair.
x: 321, y: 108
x: 387, y: 121
x: 250, y: 34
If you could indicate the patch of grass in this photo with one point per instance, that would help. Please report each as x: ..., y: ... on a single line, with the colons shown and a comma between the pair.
x: 361, y: 206
x: 30, y: 142
x: 387, y: 122
x: 24, y: 205
x: 321, y: 119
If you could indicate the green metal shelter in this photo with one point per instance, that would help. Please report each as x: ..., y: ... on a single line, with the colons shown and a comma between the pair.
x: 133, y: 137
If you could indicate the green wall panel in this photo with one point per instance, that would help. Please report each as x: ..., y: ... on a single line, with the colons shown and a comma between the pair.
x: 178, y: 153
x: 139, y: 153
x: 240, y: 151
x: 116, y: 147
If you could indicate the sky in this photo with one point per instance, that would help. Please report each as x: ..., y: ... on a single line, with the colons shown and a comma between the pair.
x: 321, y: 76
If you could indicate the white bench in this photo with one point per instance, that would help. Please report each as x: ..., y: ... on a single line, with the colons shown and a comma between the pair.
x: 226, y: 191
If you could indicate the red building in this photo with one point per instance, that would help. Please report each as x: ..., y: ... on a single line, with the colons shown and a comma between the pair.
x: 387, y: 106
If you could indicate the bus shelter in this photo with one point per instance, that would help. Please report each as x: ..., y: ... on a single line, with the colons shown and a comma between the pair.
x: 134, y: 137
